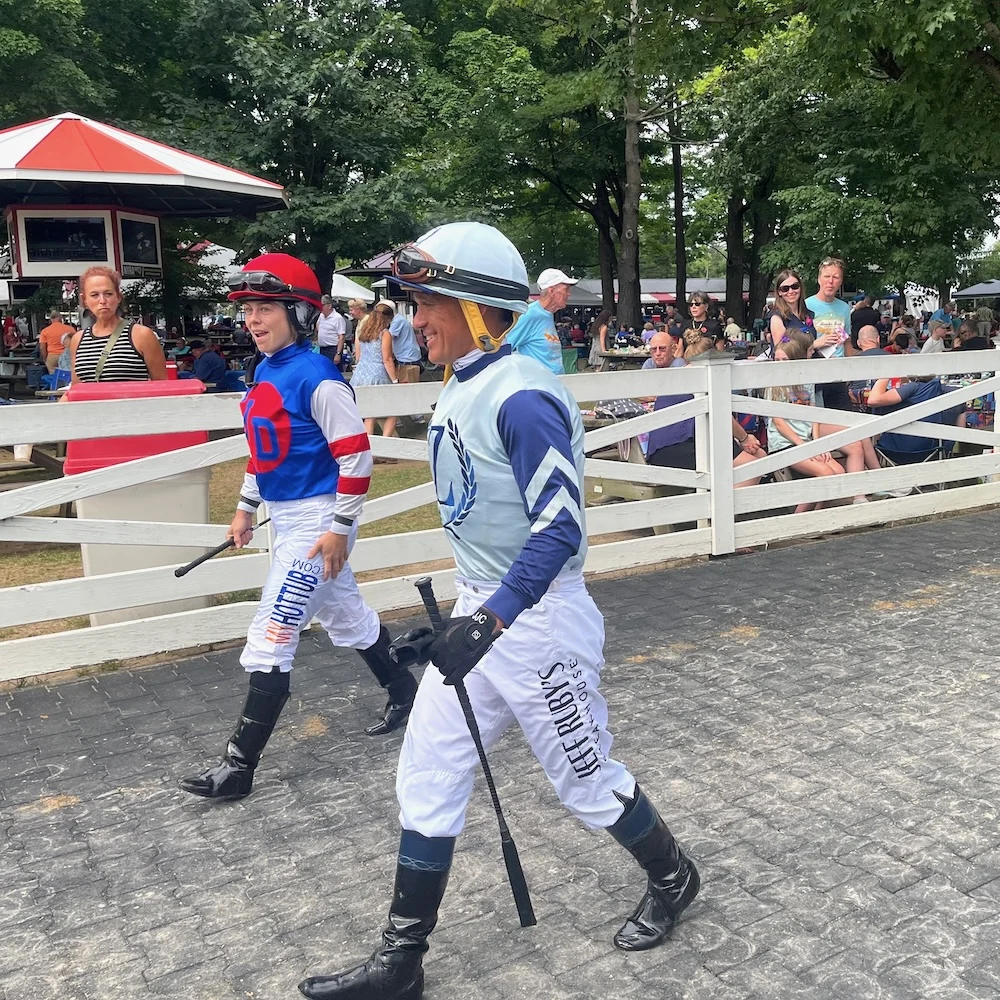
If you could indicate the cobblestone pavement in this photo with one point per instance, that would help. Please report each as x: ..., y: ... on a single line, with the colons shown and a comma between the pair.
x: 817, y: 724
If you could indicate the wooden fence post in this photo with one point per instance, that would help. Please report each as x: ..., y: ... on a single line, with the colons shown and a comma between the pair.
x: 719, y: 425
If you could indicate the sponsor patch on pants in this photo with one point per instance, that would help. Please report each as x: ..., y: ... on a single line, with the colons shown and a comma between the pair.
x: 288, y: 610
x: 565, y: 692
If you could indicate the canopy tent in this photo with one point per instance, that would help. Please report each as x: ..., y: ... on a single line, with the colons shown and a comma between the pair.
x: 377, y: 267
x: 71, y: 160
x: 343, y: 289
x: 984, y: 290
x: 661, y: 291
x: 578, y: 295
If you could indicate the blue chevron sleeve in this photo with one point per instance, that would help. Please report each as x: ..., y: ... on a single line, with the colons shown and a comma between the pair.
x: 537, y: 434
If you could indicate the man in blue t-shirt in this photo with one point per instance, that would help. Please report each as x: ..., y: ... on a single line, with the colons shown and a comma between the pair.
x: 832, y: 323
x: 945, y: 314
x: 534, y: 334
x: 405, y: 348
x: 886, y: 397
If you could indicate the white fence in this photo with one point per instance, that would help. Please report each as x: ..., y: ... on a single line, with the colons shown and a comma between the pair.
x: 724, y: 518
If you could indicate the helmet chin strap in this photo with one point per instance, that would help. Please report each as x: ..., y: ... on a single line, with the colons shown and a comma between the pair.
x: 481, y: 336
x: 482, y: 339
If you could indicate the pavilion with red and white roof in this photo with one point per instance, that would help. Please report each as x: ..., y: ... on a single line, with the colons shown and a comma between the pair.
x: 73, y: 160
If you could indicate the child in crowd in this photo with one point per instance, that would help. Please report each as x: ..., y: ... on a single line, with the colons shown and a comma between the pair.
x: 787, y: 432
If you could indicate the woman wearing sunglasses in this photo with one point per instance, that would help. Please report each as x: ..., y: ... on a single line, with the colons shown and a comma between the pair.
x: 788, y: 314
x: 698, y: 306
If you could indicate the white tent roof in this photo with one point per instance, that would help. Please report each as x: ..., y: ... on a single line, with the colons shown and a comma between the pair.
x: 344, y: 288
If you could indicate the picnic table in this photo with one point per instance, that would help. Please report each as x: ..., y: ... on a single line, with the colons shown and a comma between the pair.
x: 631, y: 356
x: 591, y: 421
x: 42, y: 464
x: 20, y: 359
x: 21, y: 363
x: 600, y: 490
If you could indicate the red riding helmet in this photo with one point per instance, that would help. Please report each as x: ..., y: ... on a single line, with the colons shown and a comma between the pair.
x: 283, y: 278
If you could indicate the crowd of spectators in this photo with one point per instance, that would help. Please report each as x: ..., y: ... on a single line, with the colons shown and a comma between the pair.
x: 379, y: 346
x: 796, y: 328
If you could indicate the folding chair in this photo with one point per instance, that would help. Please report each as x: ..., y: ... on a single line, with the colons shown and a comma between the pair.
x: 894, y: 460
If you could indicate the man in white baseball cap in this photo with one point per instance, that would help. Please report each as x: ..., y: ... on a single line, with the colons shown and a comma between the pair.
x: 534, y: 334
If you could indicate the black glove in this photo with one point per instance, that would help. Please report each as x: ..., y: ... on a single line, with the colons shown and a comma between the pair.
x: 463, y: 644
x: 412, y: 648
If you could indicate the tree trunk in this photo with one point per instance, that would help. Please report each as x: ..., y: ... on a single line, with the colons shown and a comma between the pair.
x: 762, y: 220
x: 324, y: 267
x: 629, y: 305
x: 606, y: 255
x: 735, y: 258
x: 680, y: 249
x: 629, y: 291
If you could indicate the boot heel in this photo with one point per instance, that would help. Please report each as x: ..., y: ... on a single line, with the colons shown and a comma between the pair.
x: 415, y: 990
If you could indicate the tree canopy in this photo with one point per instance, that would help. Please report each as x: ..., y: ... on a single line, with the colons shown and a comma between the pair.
x: 612, y: 138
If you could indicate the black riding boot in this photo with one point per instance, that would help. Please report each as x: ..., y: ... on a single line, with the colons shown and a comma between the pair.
x: 394, y: 971
x: 397, y: 681
x: 673, y: 879
x: 232, y: 777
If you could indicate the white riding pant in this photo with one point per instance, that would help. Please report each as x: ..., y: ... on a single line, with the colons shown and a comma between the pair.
x: 295, y: 591
x: 544, y: 674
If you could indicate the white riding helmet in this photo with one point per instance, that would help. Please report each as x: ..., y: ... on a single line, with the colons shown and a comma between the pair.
x: 465, y: 260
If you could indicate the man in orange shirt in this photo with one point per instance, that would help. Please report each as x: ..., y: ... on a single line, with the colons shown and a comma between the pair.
x: 50, y: 344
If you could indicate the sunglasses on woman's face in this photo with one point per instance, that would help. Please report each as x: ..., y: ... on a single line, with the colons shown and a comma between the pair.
x: 696, y: 302
x: 790, y: 288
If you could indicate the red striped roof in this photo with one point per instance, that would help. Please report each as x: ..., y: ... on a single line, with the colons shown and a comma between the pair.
x: 74, y: 145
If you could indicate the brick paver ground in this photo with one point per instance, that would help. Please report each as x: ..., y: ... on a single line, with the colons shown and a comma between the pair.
x: 818, y: 724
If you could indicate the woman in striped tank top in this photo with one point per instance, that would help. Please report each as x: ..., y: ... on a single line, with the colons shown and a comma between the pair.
x: 136, y: 355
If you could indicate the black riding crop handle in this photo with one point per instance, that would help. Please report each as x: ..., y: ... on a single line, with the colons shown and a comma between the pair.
x: 512, y: 860
x: 211, y: 553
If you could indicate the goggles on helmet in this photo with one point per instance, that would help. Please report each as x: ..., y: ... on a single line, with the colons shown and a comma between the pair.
x: 414, y: 266
x: 266, y: 283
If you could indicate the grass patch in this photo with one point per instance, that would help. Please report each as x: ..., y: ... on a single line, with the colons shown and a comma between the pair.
x: 388, y: 479
x: 236, y: 597
x: 44, y: 628
x: 24, y: 564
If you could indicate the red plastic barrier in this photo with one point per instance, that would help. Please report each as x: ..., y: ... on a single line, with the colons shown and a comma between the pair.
x: 99, y: 453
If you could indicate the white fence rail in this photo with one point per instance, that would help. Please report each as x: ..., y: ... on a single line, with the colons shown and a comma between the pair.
x: 711, y: 517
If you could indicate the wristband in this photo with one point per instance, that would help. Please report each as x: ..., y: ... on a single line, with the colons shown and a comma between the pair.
x: 341, y: 525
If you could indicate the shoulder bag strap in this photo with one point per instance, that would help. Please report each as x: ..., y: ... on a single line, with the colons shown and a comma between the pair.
x: 108, y: 348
